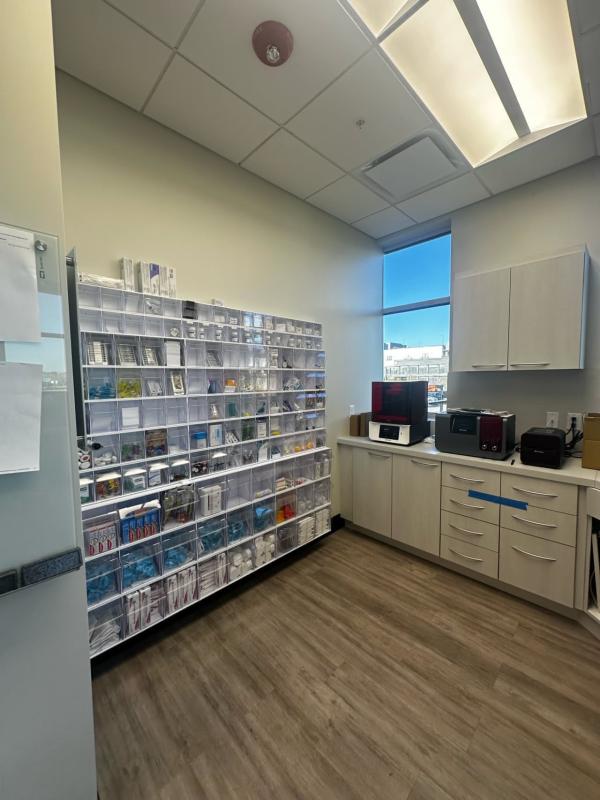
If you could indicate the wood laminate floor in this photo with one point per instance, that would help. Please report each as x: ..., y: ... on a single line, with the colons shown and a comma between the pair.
x: 354, y: 671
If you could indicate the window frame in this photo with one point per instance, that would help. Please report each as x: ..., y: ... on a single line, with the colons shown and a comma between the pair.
x: 434, y: 302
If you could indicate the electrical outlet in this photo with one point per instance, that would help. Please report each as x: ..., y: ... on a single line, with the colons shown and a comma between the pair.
x: 552, y: 419
x: 578, y: 417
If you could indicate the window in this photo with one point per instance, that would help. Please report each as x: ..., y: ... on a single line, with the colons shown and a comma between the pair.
x: 416, y: 321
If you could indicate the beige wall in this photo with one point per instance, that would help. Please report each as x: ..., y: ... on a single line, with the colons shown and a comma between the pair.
x: 46, y: 726
x: 132, y: 187
x: 547, y: 216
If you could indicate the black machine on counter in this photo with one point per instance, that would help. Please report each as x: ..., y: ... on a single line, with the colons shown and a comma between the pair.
x: 399, y: 412
x: 544, y: 447
x: 475, y: 432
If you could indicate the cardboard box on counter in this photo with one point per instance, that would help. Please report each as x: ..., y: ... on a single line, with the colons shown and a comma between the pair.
x: 591, y: 441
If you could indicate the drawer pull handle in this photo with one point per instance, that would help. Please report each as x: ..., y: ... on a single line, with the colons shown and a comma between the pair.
x: 537, y: 494
x: 423, y: 463
x: 533, y: 522
x: 378, y: 455
x: 462, y: 555
x: 483, y: 366
x: 464, y: 530
x: 530, y: 364
x: 466, y: 505
x: 468, y: 480
x: 532, y: 555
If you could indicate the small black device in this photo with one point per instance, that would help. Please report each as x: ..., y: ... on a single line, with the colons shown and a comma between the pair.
x: 399, y: 412
x: 475, y: 432
x: 543, y: 447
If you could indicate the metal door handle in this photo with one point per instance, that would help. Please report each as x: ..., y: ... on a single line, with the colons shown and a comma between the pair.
x: 532, y: 555
x: 530, y: 364
x: 482, y: 366
x: 468, y: 480
x: 467, y: 505
x: 423, y: 463
x: 464, y: 530
x: 537, y: 494
x: 533, y: 522
x: 462, y: 555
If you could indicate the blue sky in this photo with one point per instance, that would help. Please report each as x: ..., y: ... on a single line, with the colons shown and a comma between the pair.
x: 419, y: 272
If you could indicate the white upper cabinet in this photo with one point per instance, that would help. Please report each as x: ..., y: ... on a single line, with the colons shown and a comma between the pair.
x: 547, y: 313
x: 480, y: 322
x: 527, y: 317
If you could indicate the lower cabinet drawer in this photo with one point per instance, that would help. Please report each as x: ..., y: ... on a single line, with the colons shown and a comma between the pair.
x: 544, y: 568
x: 458, y: 501
x: 482, y: 534
x: 551, y: 525
x: 468, y: 555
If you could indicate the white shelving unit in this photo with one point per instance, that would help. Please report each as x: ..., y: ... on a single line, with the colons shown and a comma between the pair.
x: 208, y: 456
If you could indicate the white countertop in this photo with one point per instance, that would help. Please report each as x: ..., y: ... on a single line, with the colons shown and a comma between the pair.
x: 571, y: 472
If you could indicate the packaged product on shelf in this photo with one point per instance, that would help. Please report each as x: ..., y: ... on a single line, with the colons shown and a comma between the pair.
x: 178, y: 506
x: 86, y: 491
x: 108, y: 484
x: 128, y: 274
x: 179, y: 548
x: 140, y: 521
x: 100, y: 534
x: 172, y: 594
x: 187, y: 585
x: 129, y: 387
x: 100, y: 280
x: 240, y: 562
x: 133, y: 615
x: 210, y: 499
x: 264, y: 549
x: 134, y: 480
x: 211, y: 536
x: 212, y: 574
x: 156, y: 443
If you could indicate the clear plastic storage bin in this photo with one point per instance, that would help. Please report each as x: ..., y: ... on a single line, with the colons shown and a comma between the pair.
x: 102, y: 579
x: 212, y: 574
x: 179, y: 548
x: 105, y: 626
x: 240, y: 561
x: 287, y: 538
x: 140, y: 564
x: 212, y: 536
x: 100, y: 533
x: 239, y: 525
x: 178, y: 506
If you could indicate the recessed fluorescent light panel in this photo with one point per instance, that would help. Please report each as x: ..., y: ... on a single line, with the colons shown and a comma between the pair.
x: 436, y: 55
x: 376, y: 14
x: 535, y: 44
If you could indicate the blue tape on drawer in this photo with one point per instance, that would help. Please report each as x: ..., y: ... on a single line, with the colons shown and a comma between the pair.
x: 496, y: 498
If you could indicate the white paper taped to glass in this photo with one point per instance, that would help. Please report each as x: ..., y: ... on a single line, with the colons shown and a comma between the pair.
x: 19, y: 311
x: 20, y: 415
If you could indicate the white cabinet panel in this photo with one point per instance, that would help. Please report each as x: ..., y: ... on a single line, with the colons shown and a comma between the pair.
x: 416, y: 503
x: 480, y: 306
x: 547, y: 313
x: 372, y: 484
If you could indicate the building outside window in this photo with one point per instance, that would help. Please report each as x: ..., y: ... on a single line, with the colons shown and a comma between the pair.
x: 416, y: 321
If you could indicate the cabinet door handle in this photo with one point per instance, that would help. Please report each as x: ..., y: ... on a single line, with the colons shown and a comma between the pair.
x: 532, y: 555
x: 423, y: 463
x: 483, y: 366
x: 468, y: 480
x: 464, y: 530
x: 531, y: 364
x: 378, y: 455
x: 533, y: 522
x: 537, y: 494
x: 462, y: 555
x: 467, y: 505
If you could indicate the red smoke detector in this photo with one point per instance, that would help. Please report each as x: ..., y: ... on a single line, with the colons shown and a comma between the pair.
x: 273, y: 43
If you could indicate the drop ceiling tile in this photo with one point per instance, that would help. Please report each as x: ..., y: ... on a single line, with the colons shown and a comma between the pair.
x: 165, y: 20
x: 412, y: 169
x: 326, y: 42
x: 348, y: 199
x: 383, y: 223
x: 445, y: 198
x: 589, y: 52
x: 101, y: 47
x: 195, y: 105
x: 587, y: 14
x: 288, y: 163
x: 569, y: 145
x: 368, y: 91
